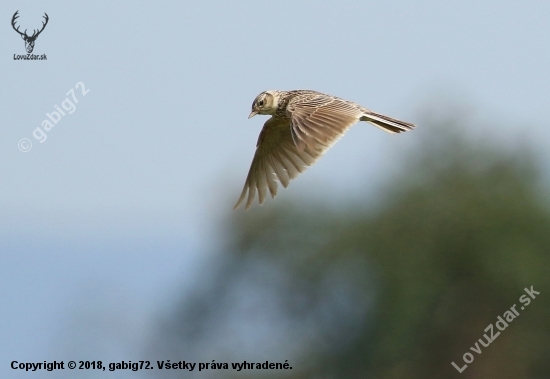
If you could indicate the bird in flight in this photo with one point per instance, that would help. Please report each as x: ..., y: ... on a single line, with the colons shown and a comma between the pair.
x: 303, y: 126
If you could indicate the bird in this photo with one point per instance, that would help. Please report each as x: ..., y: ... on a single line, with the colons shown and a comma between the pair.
x: 303, y: 125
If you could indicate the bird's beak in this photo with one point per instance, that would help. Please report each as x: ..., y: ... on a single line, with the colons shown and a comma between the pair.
x: 252, y: 114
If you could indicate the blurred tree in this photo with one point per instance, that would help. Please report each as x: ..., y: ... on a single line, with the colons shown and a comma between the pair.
x: 399, y: 290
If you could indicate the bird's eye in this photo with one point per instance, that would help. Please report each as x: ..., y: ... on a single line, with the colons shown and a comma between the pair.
x: 260, y: 103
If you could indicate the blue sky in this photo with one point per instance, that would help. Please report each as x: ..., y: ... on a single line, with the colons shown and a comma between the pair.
x: 122, y: 203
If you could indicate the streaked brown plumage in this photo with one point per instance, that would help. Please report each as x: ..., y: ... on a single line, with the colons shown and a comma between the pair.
x: 303, y: 126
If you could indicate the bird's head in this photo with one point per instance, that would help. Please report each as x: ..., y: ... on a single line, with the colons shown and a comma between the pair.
x: 266, y: 102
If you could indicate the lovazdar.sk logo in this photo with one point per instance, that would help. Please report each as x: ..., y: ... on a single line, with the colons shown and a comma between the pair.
x: 29, y: 40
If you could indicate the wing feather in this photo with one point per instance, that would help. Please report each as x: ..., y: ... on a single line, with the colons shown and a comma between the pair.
x: 276, y: 158
x: 321, y: 119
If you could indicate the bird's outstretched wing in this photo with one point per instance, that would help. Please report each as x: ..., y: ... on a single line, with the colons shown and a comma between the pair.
x: 276, y: 158
x: 320, y: 119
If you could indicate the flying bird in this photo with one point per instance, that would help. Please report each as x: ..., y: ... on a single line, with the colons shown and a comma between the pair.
x: 303, y: 126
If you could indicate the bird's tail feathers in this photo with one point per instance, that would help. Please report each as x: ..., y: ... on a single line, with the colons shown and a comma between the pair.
x: 387, y: 124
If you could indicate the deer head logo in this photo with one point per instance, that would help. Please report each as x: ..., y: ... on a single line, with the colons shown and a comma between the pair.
x: 29, y: 40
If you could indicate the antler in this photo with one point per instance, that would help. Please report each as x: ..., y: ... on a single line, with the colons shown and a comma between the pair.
x: 15, y: 17
x: 35, y: 34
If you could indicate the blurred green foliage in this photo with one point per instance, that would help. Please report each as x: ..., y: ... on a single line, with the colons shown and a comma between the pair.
x: 403, y: 288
